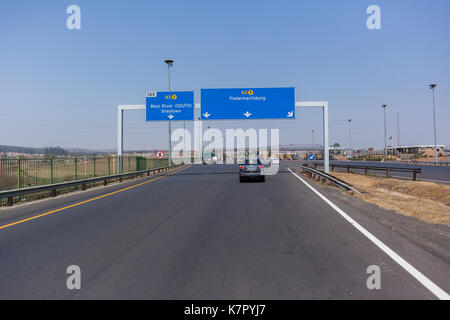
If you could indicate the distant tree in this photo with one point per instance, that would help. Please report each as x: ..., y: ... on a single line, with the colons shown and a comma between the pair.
x: 336, y: 145
x: 51, y: 151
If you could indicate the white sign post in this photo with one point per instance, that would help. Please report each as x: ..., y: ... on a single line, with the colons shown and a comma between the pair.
x: 326, y: 142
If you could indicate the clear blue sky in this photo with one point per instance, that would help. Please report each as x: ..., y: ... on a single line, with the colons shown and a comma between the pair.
x: 61, y: 87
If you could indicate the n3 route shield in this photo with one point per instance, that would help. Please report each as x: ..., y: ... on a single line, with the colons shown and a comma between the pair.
x: 169, y: 105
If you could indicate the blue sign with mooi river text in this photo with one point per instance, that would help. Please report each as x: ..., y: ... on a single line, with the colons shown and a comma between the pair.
x: 169, y: 106
x: 248, y: 103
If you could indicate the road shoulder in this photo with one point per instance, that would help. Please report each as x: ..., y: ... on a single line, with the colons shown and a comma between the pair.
x: 424, y: 246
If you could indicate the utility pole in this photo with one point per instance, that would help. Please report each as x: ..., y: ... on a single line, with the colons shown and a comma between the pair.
x: 398, y: 132
x: 350, y: 136
x: 200, y: 141
x: 169, y: 65
x: 385, y: 137
x: 184, y: 140
x: 432, y: 86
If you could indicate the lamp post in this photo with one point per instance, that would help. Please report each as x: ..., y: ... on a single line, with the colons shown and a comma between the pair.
x: 350, y: 136
x: 385, y: 142
x: 169, y: 65
x: 432, y: 86
x: 397, y: 140
x: 200, y: 142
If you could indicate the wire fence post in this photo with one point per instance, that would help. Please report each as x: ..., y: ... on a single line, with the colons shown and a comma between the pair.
x: 109, y: 166
x: 18, y: 173
x: 94, y: 167
x: 35, y: 172
x: 51, y: 171
x: 76, y: 168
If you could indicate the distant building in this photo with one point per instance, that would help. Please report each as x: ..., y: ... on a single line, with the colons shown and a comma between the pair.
x: 417, y: 151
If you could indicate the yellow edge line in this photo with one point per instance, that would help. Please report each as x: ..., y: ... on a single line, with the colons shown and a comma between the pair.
x: 90, y: 200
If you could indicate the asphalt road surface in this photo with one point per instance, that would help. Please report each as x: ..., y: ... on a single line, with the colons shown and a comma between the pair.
x: 439, y: 174
x: 200, y: 234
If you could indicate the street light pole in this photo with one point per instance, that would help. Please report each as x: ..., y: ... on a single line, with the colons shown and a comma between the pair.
x: 184, y: 140
x: 397, y: 141
x: 350, y: 136
x: 169, y: 65
x: 432, y: 86
x: 385, y: 142
x: 200, y: 142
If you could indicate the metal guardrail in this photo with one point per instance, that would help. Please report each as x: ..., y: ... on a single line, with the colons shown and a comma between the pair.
x: 426, y: 163
x: 10, y: 194
x: 327, y: 177
x: 367, y: 168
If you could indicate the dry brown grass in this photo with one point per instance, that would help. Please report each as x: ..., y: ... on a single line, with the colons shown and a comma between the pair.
x: 443, y: 159
x: 426, y: 201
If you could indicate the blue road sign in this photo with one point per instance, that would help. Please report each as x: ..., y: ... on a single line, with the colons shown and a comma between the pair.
x: 165, y: 105
x: 312, y: 157
x: 248, y: 103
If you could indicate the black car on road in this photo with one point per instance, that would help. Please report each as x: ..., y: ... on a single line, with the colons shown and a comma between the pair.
x: 251, y: 170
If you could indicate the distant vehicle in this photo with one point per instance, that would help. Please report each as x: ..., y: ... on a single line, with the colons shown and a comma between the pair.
x: 251, y: 171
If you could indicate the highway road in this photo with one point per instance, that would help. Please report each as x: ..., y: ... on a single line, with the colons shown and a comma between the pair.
x: 200, y: 234
x: 431, y: 173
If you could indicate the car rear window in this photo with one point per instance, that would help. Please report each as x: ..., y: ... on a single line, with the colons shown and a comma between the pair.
x: 247, y: 161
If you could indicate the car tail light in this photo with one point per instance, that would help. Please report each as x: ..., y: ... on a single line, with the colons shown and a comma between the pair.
x: 241, y: 167
x: 261, y: 167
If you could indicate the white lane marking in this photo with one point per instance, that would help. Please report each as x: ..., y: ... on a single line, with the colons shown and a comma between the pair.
x: 427, y: 283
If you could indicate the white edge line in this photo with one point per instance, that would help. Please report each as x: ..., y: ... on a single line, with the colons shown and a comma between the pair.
x: 427, y: 283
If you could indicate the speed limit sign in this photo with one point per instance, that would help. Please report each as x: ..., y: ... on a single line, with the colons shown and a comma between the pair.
x: 160, y: 155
